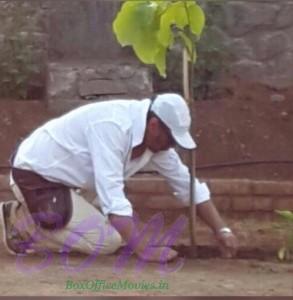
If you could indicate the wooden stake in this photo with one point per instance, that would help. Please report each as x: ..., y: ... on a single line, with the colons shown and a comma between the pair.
x: 188, y: 95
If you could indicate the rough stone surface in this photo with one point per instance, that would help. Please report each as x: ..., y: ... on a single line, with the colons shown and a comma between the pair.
x: 26, y: 23
x: 284, y: 18
x: 277, y: 98
x: 283, y: 203
x: 242, y: 203
x: 241, y: 49
x: 248, y: 69
x: 243, y: 17
x: 270, y: 45
x: 263, y: 204
x: 65, y: 79
x: 231, y: 196
x: 259, y: 35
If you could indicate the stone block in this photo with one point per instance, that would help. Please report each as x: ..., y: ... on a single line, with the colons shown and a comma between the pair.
x: 269, y: 45
x: 4, y: 183
x: 284, y: 18
x: 6, y: 195
x: 68, y: 80
x: 241, y: 49
x: 229, y: 186
x: 223, y: 203
x: 242, y: 204
x: 262, y: 204
x: 147, y: 184
x: 248, y: 69
x: 272, y: 188
x: 283, y: 203
x: 242, y: 17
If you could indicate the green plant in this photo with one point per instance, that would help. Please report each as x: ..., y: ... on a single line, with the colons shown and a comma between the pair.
x: 18, y: 62
x: 285, y: 253
x: 152, y: 28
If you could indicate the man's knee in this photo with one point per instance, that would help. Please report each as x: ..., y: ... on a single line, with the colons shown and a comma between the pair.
x: 112, y: 243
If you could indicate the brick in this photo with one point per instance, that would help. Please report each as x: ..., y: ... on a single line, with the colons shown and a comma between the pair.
x: 6, y: 195
x: 262, y: 203
x: 272, y: 188
x: 155, y: 201
x: 284, y: 203
x: 147, y: 184
x: 223, y: 203
x: 242, y: 203
x: 4, y: 183
x: 230, y: 186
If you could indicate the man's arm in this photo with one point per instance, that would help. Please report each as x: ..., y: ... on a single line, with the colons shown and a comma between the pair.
x: 139, y: 244
x: 210, y: 215
x: 108, y: 145
x: 169, y: 164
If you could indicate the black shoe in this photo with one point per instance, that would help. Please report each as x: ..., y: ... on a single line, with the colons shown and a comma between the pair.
x: 12, y: 240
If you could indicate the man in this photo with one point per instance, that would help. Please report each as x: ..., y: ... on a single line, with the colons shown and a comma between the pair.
x: 97, y: 147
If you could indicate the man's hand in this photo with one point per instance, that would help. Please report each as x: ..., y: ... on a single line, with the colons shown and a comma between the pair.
x: 160, y: 254
x: 227, y: 240
x: 228, y: 244
x: 140, y: 243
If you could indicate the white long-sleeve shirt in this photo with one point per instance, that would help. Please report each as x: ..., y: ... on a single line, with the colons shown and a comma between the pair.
x: 90, y: 148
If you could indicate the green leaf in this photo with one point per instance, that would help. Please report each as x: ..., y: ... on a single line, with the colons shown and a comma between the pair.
x: 197, y: 18
x: 175, y: 14
x: 160, y: 61
x: 187, y: 42
x: 282, y: 254
x: 136, y: 26
x: 147, y: 26
x: 286, y: 214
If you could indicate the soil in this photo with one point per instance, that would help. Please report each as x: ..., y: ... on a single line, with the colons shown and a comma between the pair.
x: 250, y: 127
x: 200, y: 277
x: 247, y: 124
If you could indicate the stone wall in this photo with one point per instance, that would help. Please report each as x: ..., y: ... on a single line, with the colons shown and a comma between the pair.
x: 250, y: 41
x: 23, y: 49
x: 230, y: 195
x: 233, y: 196
x: 257, y: 32
x: 260, y: 37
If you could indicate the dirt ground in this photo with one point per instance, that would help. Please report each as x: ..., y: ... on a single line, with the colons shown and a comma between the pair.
x: 247, y: 124
x: 210, y: 277
x: 259, y: 274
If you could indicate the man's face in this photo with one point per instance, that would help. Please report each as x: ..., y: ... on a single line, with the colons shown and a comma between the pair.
x: 158, y: 136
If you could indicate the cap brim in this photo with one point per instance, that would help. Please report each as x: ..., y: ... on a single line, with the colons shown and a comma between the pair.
x: 184, y: 140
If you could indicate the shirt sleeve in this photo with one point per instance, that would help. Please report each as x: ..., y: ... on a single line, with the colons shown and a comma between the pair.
x: 108, y: 146
x: 169, y: 165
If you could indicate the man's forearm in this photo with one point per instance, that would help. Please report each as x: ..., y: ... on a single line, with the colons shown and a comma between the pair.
x: 210, y: 215
x: 128, y: 230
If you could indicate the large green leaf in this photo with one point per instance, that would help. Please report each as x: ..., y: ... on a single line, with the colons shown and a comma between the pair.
x: 197, y: 18
x: 147, y: 26
x: 174, y: 15
x: 188, y: 44
x: 136, y: 26
x: 160, y: 61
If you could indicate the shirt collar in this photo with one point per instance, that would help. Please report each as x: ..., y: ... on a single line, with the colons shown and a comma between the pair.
x: 139, y: 117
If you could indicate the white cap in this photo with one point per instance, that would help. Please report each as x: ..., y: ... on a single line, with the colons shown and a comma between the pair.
x: 173, y: 111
